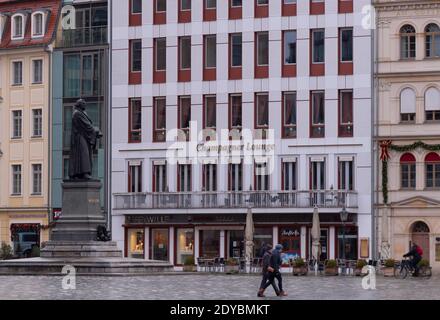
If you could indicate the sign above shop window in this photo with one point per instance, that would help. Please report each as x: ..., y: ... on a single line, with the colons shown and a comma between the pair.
x: 290, y: 233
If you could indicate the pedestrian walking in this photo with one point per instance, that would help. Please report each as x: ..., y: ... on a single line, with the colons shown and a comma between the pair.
x: 268, y: 278
x: 276, y: 262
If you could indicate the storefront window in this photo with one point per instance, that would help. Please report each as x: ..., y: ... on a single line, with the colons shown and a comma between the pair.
x: 290, y: 238
x: 136, y: 243
x: 210, y: 243
x: 159, y: 244
x: 236, y: 244
x: 351, y: 243
x: 262, y: 237
x: 185, y: 245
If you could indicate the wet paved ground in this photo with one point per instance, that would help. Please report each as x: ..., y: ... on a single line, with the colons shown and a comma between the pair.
x: 219, y: 287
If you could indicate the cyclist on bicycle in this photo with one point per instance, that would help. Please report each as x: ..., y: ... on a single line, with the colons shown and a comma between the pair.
x: 415, y: 253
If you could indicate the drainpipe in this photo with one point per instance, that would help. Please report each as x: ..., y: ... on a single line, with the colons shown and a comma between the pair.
x: 49, y: 51
x: 109, y: 116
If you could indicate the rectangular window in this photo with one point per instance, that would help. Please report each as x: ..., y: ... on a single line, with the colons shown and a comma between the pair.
x: 317, y: 175
x: 184, y: 177
x: 135, y: 120
x: 345, y: 174
x: 136, y: 6
x: 289, y: 115
x: 185, y: 5
x: 289, y: 47
x: 37, y: 25
x: 37, y: 71
x: 262, y: 48
x: 236, y: 177
x: 432, y: 175
x: 317, y: 115
x: 17, y: 124
x: 136, y: 55
x: 318, y: 48
x: 236, y: 3
x: 346, y: 49
x: 210, y: 51
x: 262, y: 110
x: 184, y: 117
x: 432, y: 115
x: 161, y: 5
x: 37, y: 123
x: 210, y: 4
x: 36, y: 179
x: 408, y: 175
x: 210, y: 112
x: 236, y: 50
x: 185, y: 245
x: 236, y: 116
x: 346, y: 113
x: 289, y: 176
x: 135, y: 176
x: 160, y: 54
x: 16, y: 179
x: 160, y: 178
x: 17, y: 68
x: 209, y: 177
x: 185, y: 53
x: 262, y: 177
x: 159, y: 118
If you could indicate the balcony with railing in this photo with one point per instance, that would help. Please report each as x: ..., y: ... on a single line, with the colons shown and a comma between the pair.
x: 80, y: 37
x: 231, y: 200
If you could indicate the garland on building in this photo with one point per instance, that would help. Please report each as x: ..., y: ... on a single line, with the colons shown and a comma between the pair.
x: 386, y: 146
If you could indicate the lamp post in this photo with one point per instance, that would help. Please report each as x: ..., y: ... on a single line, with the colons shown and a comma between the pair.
x: 344, y: 217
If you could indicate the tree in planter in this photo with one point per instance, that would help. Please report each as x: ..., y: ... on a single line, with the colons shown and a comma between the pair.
x: 299, y: 267
x: 5, y: 251
x: 231, y: 266
x: 388, y: 269
x: 360, y: 264
x: 189, y: 264
x: 331, y: 268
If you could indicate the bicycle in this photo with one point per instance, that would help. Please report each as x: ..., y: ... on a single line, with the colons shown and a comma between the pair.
x: 402, y: 269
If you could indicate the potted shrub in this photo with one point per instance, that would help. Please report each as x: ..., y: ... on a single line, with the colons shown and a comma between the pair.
x: 299, y: 267
x: 388, y: 269
x: 360, y: 264
x: 232, y: 266
x: 5, y: 251
x: 189, y: 264
x: 331, y: 268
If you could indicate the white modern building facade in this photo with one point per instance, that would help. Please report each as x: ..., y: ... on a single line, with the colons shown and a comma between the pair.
x: 291, y: 83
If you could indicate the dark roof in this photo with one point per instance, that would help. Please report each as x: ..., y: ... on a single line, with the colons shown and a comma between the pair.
x: 11, y: 7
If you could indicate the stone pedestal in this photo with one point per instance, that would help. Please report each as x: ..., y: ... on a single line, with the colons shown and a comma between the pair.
x: 81, y: 213
x: 73, y: 241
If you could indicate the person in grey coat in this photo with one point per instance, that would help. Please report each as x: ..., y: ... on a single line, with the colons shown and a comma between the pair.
x: 266, y: 273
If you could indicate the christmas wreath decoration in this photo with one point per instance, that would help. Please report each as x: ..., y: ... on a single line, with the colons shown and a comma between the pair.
x: 386, y: 146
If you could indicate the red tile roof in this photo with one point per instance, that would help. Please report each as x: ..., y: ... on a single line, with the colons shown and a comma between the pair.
x: 11, y: 7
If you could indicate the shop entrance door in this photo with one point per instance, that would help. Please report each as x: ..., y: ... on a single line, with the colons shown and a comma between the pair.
x: 159, y: 244
x: 236, y: 244
x: 420, y: 236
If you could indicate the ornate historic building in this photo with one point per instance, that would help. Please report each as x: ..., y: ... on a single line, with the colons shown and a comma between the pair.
x: 27, y: 30
x: 407, y: 127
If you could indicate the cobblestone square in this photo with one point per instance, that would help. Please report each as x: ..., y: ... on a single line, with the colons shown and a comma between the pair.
x: 214, y: 287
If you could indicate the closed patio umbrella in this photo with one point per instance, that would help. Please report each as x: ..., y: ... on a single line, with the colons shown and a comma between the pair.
x: 249, y: 238
x: 316, y: 235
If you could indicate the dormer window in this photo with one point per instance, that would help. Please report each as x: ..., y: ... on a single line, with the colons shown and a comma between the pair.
x: 37, y: 24
x: 2, y: 25
x: 17, y: 27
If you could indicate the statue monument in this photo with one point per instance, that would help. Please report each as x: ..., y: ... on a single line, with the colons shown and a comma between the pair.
x: 80, y: 237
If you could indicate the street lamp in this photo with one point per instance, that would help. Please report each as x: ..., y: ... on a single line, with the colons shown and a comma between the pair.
x: 344, y: 217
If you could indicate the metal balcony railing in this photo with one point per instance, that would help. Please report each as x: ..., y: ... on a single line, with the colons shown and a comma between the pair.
x: 228, y: 200
x: 83, y: 37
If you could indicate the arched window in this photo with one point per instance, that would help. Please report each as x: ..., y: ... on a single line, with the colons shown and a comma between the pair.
x: 17, y: 26
x: 37, y: 24
x: 432, y: 167
x: 407, y: 105
x: 419, y: 227
x: 432, y: 34
x: 432, y: 104
x: 407, y: 171
x: 407, y: 42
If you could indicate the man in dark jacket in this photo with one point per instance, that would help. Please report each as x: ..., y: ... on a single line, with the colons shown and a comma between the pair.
x: 267, y: 275
x: 276, y: 263
x: 415, y: 253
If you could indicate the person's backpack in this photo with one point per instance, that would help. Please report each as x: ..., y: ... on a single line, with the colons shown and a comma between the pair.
x: 419, y: 251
